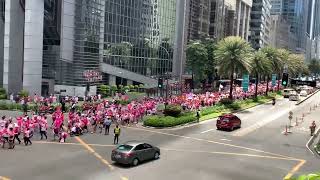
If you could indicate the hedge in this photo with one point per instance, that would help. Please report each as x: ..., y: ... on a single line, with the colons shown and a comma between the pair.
x: 169, y: 121
x: 172, y: 110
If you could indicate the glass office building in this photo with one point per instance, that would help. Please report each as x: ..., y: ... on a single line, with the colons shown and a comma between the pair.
x: 71, y: 39
x: 134, y: 37
x: 139, y: 35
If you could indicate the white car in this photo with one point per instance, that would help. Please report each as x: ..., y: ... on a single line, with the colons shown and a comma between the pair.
x: 294, y: 97
x: 304, y: 93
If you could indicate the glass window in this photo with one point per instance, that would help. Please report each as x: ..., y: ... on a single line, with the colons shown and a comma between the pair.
x: 124, y: 148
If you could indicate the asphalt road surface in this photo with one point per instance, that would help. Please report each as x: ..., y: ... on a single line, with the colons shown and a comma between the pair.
x: 259, y: 150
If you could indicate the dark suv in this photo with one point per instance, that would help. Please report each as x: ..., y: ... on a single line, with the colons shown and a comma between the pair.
x: 228, y: 121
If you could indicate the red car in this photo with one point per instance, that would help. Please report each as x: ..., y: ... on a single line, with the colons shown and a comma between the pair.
x: 228, y: 121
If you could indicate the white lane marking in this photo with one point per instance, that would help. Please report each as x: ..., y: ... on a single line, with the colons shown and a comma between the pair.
x: 259, y: 124
x: 226, y: 140
x: 207, y: 131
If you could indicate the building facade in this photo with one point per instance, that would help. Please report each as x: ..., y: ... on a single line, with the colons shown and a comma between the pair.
x: 124, y: 42
x: 296, y: 13
x: 260, y: 24
x: 276, y: 7
x: 280, y: 34
x: 313, y: 30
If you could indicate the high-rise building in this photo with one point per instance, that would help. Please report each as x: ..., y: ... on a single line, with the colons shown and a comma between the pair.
x: 49, y: 45
x: 295, y: 12
x: 276, y: 7
x: 198, y: 19
x: 260, y: 23
x: 2, y: 14
x: 313, y: 30
x: 218, y: 15
x: 280, y: 34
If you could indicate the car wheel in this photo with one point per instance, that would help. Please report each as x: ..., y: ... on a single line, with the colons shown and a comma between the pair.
x: 135, y: 162
x: 231, y: 129
x: 156, y: 155
x: 240, y: 125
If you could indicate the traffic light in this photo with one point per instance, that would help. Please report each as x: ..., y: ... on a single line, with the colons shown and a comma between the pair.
x: 285, y: 78
x: 160, y: 83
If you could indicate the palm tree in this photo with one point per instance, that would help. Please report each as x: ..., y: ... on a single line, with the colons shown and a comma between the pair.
x: 233, y: 54
x: 260, y: 66
x: 276, y: 62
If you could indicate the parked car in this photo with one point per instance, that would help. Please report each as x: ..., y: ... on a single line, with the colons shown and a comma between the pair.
x: 134, y: 152
x: 303, y: 93
x: 286, y: 92
x: 228, y: 121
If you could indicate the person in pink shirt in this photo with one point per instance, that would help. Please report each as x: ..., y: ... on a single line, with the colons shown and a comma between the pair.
x: 17, y: 131
x: 27, y: 136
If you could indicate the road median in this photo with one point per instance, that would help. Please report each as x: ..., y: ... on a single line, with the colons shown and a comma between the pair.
x: 208, y: 113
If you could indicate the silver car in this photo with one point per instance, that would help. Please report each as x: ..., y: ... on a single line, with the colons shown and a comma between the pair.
x: 134, y: 152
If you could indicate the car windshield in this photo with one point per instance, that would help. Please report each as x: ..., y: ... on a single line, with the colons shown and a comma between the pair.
x: 124, y: 147
x: 225, y: 120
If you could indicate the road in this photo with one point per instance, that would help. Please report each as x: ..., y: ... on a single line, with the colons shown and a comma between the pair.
x: 259, y: 150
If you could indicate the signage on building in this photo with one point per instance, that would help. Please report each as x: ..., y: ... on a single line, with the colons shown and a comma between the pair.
x: 92, y: 75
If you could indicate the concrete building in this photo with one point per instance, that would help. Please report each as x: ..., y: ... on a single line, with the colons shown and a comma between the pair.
x: 260, y: 24
x: 49, y: 45
x: 242, y: 10
x: 280, y: 34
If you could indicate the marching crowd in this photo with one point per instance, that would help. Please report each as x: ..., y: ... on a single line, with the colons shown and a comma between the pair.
x: 100, y: 116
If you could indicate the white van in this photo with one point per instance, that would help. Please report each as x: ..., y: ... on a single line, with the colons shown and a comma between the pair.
x: 286, y: 92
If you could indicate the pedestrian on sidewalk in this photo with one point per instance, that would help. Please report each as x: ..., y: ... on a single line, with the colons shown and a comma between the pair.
x: 313, y: 128
x: 116, y: 134
x: 107, y: 123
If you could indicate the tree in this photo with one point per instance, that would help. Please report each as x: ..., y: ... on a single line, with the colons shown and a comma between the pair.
x: 276, y: 62
x: 210, y: 63
x: 197, y: 55
x: 114, y: 88
x: 284, y: 62
x: 314, y: 66
x: 296, y: 64
x: 260, y: 66
x: 233, y: 54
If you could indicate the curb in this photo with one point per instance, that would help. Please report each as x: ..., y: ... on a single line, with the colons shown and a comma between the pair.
x: 311, y: 141
x: 173, y: 127
x: 308, y: 97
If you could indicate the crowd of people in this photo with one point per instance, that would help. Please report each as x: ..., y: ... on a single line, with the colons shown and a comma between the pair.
x: 101, y: 114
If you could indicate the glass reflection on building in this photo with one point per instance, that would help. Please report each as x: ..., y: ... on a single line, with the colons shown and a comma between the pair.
x: 139, y: 35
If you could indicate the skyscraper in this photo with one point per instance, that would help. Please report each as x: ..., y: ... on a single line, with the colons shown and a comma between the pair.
x: 49, y: 44
x: 260, y: 23
x: 276, y: 7
x: 295, y: 12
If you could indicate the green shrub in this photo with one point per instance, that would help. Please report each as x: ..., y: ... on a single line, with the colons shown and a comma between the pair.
x: 126, y: 88
x: 169, y: 121
x: 226, y: 101
x: 3, y: 106
x: 3, y: 91
x: 3, y: 96
x: 172, y: 110
x: 131, y: 87
x: 23, y: 93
